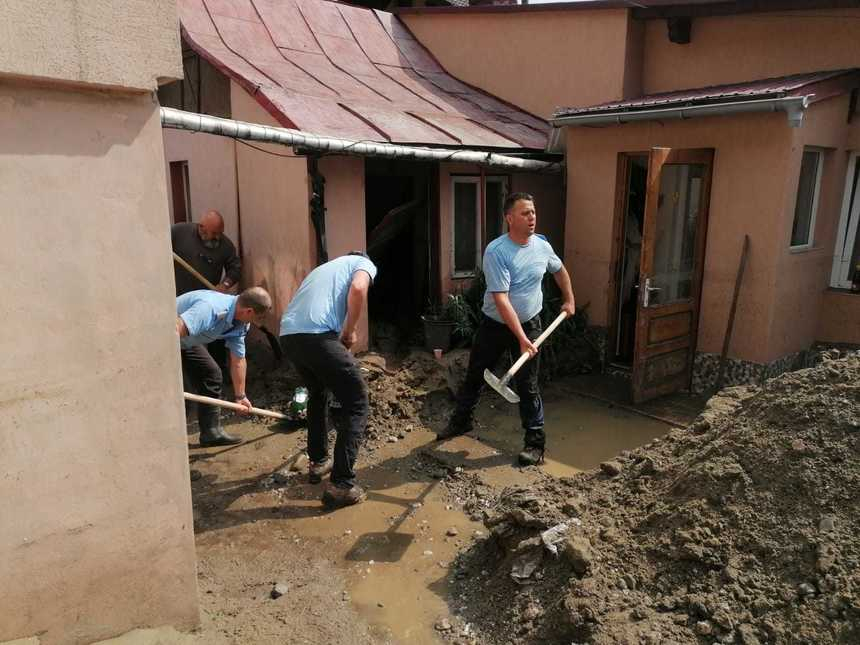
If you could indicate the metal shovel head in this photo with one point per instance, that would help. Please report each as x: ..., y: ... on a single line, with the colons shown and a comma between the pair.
x: 502, y: 388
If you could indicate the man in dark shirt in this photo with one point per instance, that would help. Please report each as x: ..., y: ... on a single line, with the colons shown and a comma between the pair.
x: 205, y: 247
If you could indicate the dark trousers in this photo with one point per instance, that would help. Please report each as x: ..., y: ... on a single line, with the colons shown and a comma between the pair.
x: 491, y: 341
x: 325, y: 365
x: 204, y: 376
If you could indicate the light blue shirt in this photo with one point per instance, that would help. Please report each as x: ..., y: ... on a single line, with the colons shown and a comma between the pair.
x: 209, y: 316
x: 518, y: 269
x: 319, y: 306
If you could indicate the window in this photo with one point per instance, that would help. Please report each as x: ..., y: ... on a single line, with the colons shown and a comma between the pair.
x: 467, y: 225
x: 846, y: 255
x: 803, y: 231
x: 494, y: 200
x: 180, y: 190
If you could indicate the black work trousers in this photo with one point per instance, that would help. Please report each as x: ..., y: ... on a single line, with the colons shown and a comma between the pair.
x: 491, y: 341
x: 325, y: 365
x: 204, y: 376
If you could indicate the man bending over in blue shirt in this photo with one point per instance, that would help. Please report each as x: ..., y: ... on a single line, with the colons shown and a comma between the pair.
x: 317, y: 331
x: 514, y: 266
x: 202, y: 317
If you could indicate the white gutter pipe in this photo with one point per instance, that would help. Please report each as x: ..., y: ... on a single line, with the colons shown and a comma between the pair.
x: 181, y: 120
x: 793, y: 106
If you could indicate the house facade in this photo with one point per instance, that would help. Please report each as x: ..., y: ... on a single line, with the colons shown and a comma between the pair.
x: 693, y: 125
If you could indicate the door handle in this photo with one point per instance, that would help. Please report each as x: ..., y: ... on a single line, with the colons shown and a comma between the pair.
x: 646, y: 292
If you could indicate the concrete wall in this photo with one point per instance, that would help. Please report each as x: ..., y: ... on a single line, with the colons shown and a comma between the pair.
x: 535, y: 60
x: 278, y: 242
x: 212, y: 174
x: 751, y: 46
x: 96, y: 536
x: 345, y: 224
x: 128, y: 44
x: 748, y: 195
x: 548, y: 191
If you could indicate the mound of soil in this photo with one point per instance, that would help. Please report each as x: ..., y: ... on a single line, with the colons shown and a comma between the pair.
x: 742, y: 528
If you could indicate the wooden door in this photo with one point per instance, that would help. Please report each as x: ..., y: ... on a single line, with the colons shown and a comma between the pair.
x: 670, y: 276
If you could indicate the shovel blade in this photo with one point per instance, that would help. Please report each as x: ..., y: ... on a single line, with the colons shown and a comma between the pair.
x: 507, y: 393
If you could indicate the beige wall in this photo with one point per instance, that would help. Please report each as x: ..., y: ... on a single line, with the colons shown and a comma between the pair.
x: 747, y: 196
x: 278, y: 242
x: 548, y: 191
x: 127, y: 44
x: 751, y: 46
x: 345, y: 224
x: 839, y: 318
x: 212, y: 174
x: 96, y: 534
x: 535, y: 60
x: 803, y: 276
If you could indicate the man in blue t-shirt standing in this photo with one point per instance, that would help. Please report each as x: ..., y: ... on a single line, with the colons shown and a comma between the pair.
x: 514, y: 266
x: 317, y: 331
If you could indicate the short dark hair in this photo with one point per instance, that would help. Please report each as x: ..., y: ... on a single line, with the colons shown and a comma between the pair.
x: 361, y: 253
x: 513, y: 198
x: 257, y: 299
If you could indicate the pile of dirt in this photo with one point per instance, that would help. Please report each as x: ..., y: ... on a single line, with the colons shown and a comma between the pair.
x: 742, y: 528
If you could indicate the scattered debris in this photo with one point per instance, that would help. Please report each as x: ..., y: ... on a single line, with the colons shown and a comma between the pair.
x: 280, y: 589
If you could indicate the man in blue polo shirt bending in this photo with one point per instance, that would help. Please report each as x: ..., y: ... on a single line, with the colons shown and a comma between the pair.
x: 205, y: 316
x: 317, y: 331
x: 514, y: 266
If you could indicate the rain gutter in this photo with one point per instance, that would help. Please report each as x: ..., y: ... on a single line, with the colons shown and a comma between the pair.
x: 193, y: 122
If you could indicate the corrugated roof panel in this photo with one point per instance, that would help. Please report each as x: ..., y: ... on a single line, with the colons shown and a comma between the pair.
x: 344, y: 71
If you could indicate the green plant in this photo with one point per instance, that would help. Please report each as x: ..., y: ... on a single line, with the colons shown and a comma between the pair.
x: 464, y: 310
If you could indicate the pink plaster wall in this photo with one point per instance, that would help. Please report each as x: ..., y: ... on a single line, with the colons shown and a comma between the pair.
x: 212, y: 172
x: 278, y: 242
x: 535, y: 60
x: 96, y: 528
x: 751, y: 46
x: 346, y: 228
x: 839, y: 318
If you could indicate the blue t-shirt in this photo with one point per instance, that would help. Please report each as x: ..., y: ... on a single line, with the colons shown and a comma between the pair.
x: 208, y: 316
x: 518, y: 269
x: 319, y: 306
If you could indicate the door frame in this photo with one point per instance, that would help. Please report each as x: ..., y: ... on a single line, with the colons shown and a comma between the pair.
x: 641, y: 352
x: 622, y: 180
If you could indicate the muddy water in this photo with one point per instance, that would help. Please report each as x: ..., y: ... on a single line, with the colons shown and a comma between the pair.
x: 581, y: 432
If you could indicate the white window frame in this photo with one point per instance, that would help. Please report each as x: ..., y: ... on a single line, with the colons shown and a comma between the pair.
x: 810, y: 240
x: 840, y: 276
x: 465, y: 180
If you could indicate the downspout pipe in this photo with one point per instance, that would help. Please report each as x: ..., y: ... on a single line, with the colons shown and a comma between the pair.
x: 193, y: 122
x: 793, y: 106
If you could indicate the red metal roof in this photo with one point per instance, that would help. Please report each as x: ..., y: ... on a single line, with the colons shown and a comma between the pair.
x: 795, y: 85
x: 337, y: 70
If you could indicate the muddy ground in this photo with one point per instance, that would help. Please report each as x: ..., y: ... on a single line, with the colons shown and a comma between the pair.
x: 742, y: 528
x: 379, y: 572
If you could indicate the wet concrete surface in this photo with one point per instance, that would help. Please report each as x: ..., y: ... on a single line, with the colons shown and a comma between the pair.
x: 376, y: 572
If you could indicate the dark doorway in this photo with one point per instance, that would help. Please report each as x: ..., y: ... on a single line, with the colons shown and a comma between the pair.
x: 633, y: 183
x: 399, y: 199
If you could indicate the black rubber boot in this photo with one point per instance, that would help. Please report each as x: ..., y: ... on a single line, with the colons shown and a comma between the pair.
x: 454, y: 429
x: 531, y: 456
x: 216, y: 436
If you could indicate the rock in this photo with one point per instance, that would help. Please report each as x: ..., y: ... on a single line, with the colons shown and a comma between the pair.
x: 621, y: 584
x: 610, y: 468
x: 443, y: 625
x: 428, y: 553
x: 195, y: 475
x: 532, y: 611
x: 748, y: 635
x: 401, y: 435
x: 409, y: 428
x: 392, y: 439
x: 573, y: 507
x: 730, y: 574
x: 344, y: 596
x: 280, y: 589
x: 379, y: 604
x: 703, y: 628
x: 805, y: 589
x: 577, y: 551
x: 630, y: 580
x: 827, y: 523
x: 283, y: 475
x: 727, y: 638
x: 451, y: 532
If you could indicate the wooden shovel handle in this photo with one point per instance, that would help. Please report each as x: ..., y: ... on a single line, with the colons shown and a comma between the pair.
x: 193, y: 271
x: 234, y: 406
x: 525, y: 356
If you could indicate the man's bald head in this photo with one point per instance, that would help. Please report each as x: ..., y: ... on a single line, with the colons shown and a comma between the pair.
x: 211, y: 227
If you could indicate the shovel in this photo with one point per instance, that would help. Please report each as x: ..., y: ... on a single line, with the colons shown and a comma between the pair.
x: 199, y: 398
x: 500, y: 385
